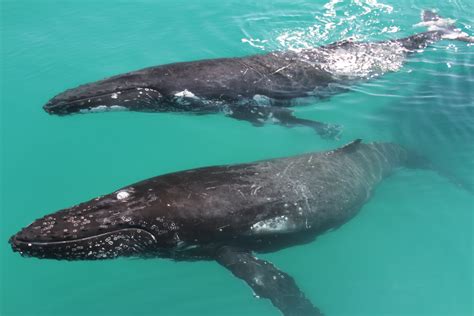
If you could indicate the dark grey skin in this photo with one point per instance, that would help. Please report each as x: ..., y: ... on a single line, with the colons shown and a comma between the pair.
x: 223, y: 213
x: 256, y: 88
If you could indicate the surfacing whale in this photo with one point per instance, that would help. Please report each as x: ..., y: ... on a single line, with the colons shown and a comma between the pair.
x: 256, y: 88
x: 223, y: 213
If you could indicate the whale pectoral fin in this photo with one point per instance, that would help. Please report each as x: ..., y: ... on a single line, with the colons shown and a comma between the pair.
x: 251, y: 114
x: 267, y: 281
x: 285, y: 117
x: 258, y: 115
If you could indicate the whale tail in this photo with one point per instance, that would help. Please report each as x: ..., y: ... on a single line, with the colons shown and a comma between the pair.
x: 445, y: 28
x: 439, y: 28
x: 416, y: 160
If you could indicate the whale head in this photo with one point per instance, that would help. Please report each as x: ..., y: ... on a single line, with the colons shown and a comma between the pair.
x: 124, y: 223
x: 133, y: 91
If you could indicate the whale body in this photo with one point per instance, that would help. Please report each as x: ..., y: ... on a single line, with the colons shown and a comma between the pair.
x: 257, y: 88
x: 223, y: 213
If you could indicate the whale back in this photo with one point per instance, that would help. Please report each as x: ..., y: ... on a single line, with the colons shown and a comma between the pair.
x: 306, y: 193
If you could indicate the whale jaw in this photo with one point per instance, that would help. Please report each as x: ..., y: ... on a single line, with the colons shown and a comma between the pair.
x: 123, y: 242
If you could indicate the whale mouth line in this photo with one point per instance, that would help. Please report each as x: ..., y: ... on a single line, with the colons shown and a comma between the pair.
x: 85, y: 98
x: 52, y: 104
x: 15, y: 240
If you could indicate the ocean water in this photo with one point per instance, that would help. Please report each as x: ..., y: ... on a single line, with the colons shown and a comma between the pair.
x: 408, y: 252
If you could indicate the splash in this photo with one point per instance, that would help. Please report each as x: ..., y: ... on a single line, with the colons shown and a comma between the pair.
x: 339, y: 20
x: 257, y: 43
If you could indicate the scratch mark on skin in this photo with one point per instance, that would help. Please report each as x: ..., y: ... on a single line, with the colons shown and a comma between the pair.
x: 254, y: 192
x: 262, y: 75
x: 304, y: 190
x: 280, y: 69
x: 243, y: 195
x: 222, y: 227
x: 287, y: 168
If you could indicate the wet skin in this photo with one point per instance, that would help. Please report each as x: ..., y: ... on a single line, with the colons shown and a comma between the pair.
x: 225, y: 213
x: 257, y: 88
x: 222, y: 213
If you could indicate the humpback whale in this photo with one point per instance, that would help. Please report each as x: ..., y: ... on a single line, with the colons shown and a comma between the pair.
x: 223, y: 213
x: 257, y: 88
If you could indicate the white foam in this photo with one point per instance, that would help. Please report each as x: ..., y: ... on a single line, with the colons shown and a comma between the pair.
x: 253, y: 42
x: 362, y: 60
x: 390, y: 29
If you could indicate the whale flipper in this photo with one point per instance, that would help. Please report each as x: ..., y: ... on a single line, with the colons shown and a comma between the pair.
x: 325, y: 130
x: 267, y: 281
x: 258, y: 115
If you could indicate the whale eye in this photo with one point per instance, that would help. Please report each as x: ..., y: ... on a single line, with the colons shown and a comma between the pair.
x: 122, y: 195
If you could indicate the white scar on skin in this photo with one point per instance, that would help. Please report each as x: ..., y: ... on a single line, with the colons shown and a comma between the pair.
x: 122, y: 195
x: 104, y: 108
x: 280, y: 224
x: 185, y: 94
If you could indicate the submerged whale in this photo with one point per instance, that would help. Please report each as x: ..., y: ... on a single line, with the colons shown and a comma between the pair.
x: 223, y: 213
x: 256, y: 88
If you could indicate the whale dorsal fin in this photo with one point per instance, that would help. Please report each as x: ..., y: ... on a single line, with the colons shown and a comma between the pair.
x: 267, y: 281
x: 348, y: 148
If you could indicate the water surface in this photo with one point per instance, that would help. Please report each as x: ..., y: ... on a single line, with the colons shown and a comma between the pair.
x: 408, y: 252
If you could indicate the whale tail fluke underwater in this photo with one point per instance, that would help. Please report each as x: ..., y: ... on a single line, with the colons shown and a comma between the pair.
x: 416, y: 160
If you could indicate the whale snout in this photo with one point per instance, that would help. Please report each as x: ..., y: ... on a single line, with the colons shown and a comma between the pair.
x: 50, y: 232
x: 94, y: 230
x: 25, y: 247
x: 106, y: 95
x: 61, y: 226
x: 92, y: 245
x: 136, y: 99
x: 112, y: 101
x: 59, y: 108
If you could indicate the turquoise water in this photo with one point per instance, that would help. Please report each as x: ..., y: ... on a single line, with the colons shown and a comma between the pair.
x: 408, y: 252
